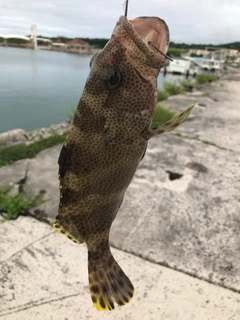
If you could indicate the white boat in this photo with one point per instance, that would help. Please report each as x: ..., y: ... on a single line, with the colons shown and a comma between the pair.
x: 182, y: 66
x: 212, y: 60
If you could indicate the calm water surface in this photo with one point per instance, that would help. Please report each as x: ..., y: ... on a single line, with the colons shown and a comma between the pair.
x: 37, y: 87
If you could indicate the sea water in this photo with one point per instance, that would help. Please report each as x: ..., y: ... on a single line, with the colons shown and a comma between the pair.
x: 37, y: 87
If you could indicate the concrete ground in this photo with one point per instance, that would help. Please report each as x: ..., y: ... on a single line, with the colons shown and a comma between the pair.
x: 44, y: 276
x: 176, y: 235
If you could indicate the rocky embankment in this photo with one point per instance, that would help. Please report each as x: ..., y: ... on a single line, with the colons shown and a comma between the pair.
x: 19, y: 136
x: 181, y: 211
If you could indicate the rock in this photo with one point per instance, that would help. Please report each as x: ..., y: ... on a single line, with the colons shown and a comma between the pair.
x: 13, y: 137
x: 19, y: 136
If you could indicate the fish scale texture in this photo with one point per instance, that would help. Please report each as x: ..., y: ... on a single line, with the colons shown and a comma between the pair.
x: 103, y: 149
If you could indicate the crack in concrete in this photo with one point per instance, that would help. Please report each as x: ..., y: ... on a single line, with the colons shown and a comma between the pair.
x: 23, y: 181
x: 180, y: 135
x: 191, y: 274
x: 27, y: 246
x: 33, y: 304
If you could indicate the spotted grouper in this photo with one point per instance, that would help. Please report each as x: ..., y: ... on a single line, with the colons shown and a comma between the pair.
x: 107, y: 140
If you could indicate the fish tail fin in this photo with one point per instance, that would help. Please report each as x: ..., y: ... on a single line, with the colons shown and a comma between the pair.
x: 107, y: 281
x: 170, y: 125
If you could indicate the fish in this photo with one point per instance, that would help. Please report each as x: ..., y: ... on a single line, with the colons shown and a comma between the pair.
x: 108, y: 139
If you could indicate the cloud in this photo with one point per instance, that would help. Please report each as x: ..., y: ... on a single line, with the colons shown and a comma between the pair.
x: 190, y: 21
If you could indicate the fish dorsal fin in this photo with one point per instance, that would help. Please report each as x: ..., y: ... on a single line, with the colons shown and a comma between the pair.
x: 170, y: 125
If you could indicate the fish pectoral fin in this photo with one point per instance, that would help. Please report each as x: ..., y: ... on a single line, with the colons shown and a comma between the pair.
x: 170, y: 125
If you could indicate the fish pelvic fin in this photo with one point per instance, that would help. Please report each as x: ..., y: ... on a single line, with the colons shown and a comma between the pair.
x: 107, y: 281
x: 170, y: 125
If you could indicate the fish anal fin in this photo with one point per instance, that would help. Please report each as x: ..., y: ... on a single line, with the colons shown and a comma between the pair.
x: 63, y: 231
x: 170, y: 125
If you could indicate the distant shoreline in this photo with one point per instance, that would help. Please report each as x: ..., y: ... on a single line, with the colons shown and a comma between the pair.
x: 47, y: 48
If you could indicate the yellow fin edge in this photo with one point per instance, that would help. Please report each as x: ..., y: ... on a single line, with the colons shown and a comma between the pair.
x: 64, y: 232
x: 98, y: 306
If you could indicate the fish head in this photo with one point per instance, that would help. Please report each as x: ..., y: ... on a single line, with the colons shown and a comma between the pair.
x: 124, y: 74
x: 141, y: 31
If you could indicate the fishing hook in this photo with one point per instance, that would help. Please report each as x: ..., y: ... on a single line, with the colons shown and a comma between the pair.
x: 166, y: 56
x: 149, y: 42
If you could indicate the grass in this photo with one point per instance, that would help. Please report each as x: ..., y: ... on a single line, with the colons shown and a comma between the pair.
x: 71, y: 112
x: 12, y: 154
x: 161, y: 116
x: 205, y: 78
x: 13, y: 206
x: 162, y: 95
x: 187, y: 85
x: 170, y: 89
x: 176, y: 52
x: 178, y: 134
x: 205, y: 94
x: 211, y: 144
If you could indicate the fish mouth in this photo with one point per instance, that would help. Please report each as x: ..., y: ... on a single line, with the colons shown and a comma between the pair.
x: 152, y: 29
x: 141, y: 31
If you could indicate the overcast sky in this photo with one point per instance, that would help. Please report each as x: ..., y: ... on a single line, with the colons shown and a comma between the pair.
x: 189, y: 21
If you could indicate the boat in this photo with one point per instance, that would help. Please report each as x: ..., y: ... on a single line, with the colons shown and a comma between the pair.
x: 213, y: 60
x: 182, y: 66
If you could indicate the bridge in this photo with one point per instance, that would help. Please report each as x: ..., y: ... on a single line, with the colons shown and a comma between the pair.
x: 33, y: 38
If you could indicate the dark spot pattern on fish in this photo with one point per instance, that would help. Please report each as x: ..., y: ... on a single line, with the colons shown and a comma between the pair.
x: 69, y: 196
x: 64, y: 160
x: 87, y: 121
x: 107, y: 141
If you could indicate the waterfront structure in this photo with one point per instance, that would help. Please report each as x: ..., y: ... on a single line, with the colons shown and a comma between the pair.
x: 224, y: 53
x: 74, y: 46
x: 197, y: 52
x: 33, y: 37
x: 78, y: 46
x: 32, y: 40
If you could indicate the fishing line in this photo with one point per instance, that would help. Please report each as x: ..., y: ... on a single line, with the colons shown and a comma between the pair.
x: 166, y: 56
x: 149, y: 42
x: 126, y: 8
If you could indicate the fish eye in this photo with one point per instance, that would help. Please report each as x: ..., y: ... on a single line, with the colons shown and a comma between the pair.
x: 114, y: 80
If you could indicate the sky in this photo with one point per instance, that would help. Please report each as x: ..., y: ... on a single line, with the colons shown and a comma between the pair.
x: 189, y: 21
